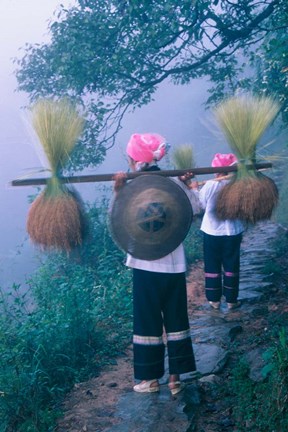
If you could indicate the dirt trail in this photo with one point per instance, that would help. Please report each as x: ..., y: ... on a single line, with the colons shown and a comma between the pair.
x: 90, y: 406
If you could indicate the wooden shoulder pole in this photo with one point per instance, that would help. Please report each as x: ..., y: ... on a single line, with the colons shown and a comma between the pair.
x: 109, y: 177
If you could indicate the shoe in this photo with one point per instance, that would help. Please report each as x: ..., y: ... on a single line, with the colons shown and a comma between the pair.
x: 146, y: 387
x: 214, y: 305
x: 234, y: 305
x: 176, y: 387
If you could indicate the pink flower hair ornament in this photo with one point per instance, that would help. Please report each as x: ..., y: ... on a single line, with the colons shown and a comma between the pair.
x: 146, y: 147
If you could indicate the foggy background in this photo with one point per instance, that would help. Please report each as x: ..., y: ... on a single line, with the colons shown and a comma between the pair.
x: 177, y: 113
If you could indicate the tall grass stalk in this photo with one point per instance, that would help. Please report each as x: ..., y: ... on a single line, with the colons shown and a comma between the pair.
x: 249, y: 196
x: 183, y: 157
x: 243, y: 121
x: 56, y: 218
x: 58, y: 126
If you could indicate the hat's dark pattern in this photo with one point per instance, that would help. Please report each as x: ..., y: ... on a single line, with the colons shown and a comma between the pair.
x: 150, y: 217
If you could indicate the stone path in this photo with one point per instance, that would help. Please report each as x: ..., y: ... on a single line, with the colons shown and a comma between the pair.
x: 108, y: 404
x: 212, y: 334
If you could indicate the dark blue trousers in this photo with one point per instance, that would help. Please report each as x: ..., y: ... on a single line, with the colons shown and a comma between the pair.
x: 222, y: 265
x: 160, y: 302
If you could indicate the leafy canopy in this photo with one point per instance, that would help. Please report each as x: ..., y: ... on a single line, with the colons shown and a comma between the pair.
x: 271, y: 62
x: 111, y: 55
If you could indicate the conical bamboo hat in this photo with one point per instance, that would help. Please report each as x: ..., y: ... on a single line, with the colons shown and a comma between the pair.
x: 150, y: 217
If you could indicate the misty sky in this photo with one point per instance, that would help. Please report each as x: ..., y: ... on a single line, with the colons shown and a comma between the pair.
x: 177, y: 113
x: 179, y: 109
x: 21, y: 21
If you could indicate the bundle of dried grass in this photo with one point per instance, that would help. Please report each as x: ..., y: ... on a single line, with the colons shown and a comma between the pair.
x: 56, y: 218
x: 56, y: 221
x: 250, y: 199
x: 183, y: 157
x: 250, y: 196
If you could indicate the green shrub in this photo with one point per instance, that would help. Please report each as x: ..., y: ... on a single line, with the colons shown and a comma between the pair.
x: 281, y: 213
x: 193, y: 243
x: 262, y: 406
x: 77, y: 315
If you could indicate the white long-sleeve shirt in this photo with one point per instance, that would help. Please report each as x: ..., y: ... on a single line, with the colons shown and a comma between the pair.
x: 210, y: 223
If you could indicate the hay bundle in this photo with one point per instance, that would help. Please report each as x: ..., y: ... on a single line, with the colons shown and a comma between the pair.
x: 250, y: 199
x: 250, y: 195
x: 183, y: 157
x: 56, y: 218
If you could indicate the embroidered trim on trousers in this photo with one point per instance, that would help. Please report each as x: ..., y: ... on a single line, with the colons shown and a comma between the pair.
x: 160, y: 302
x: 222, y: 265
